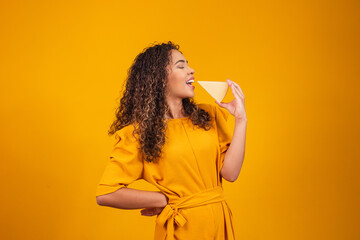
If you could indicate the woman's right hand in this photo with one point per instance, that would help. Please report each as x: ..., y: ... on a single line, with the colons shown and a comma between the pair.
x: 155, y: 210
x: 151, y: 211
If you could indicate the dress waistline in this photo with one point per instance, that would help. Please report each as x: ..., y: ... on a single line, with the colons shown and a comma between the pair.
x: 170, y: 215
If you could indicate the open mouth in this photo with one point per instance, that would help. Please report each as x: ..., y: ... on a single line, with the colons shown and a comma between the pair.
x: 189, y: 83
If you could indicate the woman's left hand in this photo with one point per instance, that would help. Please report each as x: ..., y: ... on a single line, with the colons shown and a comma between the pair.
x: 237, y: 106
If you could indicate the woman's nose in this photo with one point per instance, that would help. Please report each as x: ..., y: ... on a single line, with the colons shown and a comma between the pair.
x: 192, y: 71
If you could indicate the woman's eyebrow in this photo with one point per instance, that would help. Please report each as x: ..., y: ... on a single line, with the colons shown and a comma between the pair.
x: 182, y: 61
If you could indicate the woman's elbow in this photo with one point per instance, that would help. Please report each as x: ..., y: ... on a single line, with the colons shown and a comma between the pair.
x: 231, y: 179
x: 228, y: 176
x: 101, y: 200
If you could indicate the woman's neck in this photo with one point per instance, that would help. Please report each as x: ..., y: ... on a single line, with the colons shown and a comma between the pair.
x: 176, y: 109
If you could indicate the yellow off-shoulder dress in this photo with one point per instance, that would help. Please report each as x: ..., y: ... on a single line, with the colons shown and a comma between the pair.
x: 188, y: 174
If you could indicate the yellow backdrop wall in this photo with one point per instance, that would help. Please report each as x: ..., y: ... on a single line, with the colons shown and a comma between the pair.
x: 61, y: 67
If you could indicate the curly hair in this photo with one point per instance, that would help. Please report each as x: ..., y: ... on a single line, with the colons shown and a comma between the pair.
x: 144, y: 105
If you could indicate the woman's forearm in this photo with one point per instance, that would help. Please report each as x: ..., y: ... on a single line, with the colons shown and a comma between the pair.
x: 235, y: 154
x: 129, y: 198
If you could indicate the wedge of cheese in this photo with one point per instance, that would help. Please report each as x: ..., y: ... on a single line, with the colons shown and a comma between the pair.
x: 217, y: 90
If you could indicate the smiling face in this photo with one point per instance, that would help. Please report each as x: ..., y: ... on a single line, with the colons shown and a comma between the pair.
x: 179, y: 74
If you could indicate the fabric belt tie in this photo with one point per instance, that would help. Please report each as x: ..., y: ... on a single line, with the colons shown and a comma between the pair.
x: 170, y: 215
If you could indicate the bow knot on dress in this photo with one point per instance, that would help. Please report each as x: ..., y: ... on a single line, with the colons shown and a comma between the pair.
x: 171, y: 214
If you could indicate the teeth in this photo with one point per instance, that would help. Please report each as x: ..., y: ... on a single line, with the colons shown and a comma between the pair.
x: 190, y: 81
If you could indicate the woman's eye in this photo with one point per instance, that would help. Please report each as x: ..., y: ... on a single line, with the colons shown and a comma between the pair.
x: 181, y: 67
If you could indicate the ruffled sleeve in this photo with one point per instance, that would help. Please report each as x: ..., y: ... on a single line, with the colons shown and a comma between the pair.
x: 223, y: 131
x: 125, y: 164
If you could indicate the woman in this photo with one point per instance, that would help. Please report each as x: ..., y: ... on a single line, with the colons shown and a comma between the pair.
x: 183, y: 148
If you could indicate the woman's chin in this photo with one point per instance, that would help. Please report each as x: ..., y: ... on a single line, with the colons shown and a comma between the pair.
x: 191, y: 96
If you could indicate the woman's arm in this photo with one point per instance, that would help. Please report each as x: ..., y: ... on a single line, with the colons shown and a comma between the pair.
x: 234, y: 156
x: 129, y: 198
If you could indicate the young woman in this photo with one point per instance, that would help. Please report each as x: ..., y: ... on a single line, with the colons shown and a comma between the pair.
x: 183, y: 148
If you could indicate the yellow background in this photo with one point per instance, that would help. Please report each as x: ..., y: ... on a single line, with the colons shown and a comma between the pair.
x: 62, y: 64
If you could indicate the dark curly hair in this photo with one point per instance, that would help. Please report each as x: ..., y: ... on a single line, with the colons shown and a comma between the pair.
x: 144, y: 105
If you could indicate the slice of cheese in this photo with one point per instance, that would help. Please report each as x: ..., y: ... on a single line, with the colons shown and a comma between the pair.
x: 217, y: 90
